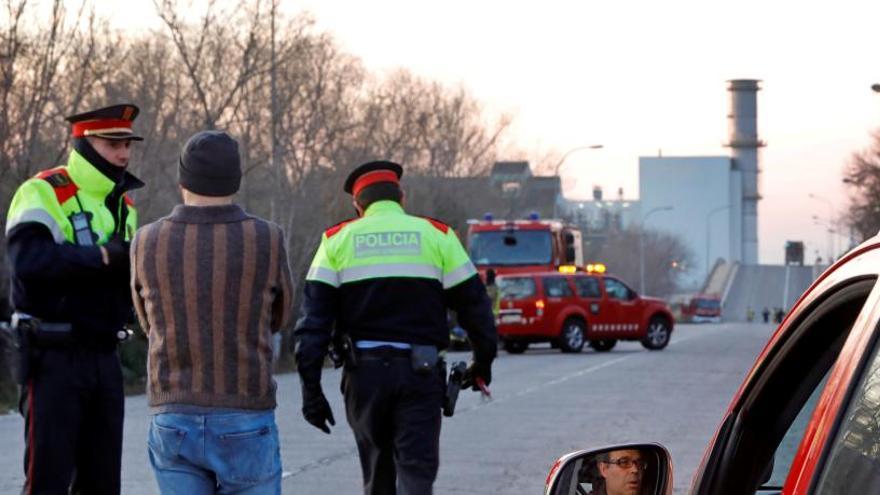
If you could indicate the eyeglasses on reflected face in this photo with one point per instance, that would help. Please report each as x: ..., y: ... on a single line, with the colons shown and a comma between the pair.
x: 626, y: 463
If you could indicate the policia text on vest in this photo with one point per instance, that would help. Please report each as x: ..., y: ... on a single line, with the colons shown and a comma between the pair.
x: 379, y: 287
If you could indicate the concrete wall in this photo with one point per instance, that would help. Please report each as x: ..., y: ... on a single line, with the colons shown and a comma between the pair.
x: 694, y: 187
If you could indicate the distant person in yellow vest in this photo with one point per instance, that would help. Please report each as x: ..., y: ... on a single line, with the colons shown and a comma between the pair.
x: 67, y: 234
x: 492, y: 291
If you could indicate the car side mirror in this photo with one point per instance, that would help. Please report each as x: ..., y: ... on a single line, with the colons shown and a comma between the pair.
x: 637, y: 469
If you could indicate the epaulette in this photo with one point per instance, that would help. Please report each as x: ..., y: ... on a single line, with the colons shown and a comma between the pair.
x: 60, y: 181
x: 336, y: 228
x: 442, y: 227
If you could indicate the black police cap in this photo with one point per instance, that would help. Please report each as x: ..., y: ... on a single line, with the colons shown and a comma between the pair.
x: 371, y: 167
x: 113, y: 122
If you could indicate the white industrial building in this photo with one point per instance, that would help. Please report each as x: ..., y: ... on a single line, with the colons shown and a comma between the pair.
x: 709, y: 202
x: 699, y: 200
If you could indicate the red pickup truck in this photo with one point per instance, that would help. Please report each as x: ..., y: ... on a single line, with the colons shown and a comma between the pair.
x: 572, y: 309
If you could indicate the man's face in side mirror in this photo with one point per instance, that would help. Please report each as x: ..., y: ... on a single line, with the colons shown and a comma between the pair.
x: 622, y: 471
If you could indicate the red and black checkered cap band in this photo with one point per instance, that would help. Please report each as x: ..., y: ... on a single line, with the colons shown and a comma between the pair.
x: 118, y: 127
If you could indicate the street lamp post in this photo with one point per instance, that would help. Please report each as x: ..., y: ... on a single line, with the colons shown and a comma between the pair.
x: 558, y: 166
x: 832, y: 236
x: 642, y: 245
x: 579, y: 148
x: 708, y: 231
x: 831, y: 248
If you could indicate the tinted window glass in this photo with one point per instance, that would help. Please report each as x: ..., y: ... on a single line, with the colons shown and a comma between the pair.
x: 616, y: 289
x: 516, y: 288
x: 854, y: 463
x: 556, y: 287
x: 587, y: 287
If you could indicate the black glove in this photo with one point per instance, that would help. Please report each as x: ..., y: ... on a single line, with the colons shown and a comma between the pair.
x: 117, y: 254
x: 316, y: 409
x: 477, y: 370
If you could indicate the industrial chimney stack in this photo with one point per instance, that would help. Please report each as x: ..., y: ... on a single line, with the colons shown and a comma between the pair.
x: 744, y: 144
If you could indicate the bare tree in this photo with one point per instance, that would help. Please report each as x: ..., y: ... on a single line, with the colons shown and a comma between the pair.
x: 862, y: 176
x: 667, y: 258
x: 221, y: 55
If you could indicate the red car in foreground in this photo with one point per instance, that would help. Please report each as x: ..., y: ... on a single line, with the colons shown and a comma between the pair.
x: 806, y: 420
x: 571, y: 308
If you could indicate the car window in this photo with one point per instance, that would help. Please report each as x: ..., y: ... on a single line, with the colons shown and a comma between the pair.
x: 756, y: 443
x: 587, y: 287
x: 516, y: 287
x: 556, y: 287
x: 787, y: 449
x: 616, y: 290
x: 854, y: 463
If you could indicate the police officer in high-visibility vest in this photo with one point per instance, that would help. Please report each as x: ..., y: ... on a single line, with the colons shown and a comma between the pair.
x: 381, y: 283
x: 67, y: 234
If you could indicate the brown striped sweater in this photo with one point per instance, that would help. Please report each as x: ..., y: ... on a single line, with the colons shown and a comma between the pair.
x: 210, y: 284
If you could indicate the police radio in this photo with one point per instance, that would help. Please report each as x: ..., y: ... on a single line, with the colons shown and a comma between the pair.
x: 82, y: 229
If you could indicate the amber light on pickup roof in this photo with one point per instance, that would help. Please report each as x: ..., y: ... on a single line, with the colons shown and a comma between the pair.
x: 568, y: 269
x: 596, y: 268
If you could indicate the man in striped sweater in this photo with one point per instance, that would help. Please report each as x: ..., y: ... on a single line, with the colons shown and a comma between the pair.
x: 210, y: 285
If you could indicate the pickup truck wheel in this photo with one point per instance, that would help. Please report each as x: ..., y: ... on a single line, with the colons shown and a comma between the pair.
x: 659, y: 332
x: 572, y: 337
x: 603, y: 345
x: 515, y: 346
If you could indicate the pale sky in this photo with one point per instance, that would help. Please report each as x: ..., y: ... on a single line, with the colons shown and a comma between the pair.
x: 640, y: 76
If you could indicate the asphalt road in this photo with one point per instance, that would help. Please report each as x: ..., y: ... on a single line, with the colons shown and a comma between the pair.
x: 545, y: 404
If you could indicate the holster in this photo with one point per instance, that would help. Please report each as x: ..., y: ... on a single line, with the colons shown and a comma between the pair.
x: 23, y: 355
x: 342, y: 351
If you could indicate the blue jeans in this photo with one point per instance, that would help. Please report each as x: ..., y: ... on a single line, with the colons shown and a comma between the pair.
x: 195, y: 454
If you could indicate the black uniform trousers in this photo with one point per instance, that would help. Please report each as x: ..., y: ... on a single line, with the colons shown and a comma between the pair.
x: 73, y: 406
x: 395, y: 414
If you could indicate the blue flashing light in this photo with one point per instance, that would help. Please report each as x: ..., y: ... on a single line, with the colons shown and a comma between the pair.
x: 534, y: 216
x: 487, y: 217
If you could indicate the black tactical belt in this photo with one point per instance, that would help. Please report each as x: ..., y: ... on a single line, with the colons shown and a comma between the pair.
x: 43, y: 334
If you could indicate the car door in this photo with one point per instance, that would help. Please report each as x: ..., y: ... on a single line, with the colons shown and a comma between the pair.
x: 774, y: 433
x: 589, y: 296
x: 623, y: 313
x: 851, y: 464
x: 558, y: 295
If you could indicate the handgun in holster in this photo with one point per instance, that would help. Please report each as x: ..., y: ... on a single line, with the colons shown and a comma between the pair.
x: 23, y: 342
x: 342, y: 351
x: 453, y: 387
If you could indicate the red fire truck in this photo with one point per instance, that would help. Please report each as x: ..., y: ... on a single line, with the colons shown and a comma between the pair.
x: 517, y: 246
